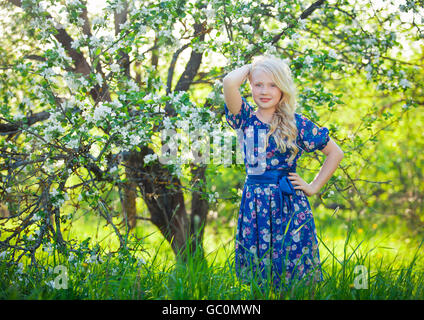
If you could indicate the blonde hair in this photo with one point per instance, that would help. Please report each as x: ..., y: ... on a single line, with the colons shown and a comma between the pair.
x: 283, y: 123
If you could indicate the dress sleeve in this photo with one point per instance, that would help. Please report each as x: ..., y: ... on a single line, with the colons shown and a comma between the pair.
x: 239, y: 120
x: 311, y: 137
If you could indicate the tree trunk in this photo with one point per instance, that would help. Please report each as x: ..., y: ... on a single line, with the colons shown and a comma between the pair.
x: 163, y: 196
x: 162, y: 192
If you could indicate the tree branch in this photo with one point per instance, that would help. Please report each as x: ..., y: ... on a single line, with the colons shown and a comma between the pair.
x: 303, y: 16
x: 12, y: 128
x: 172, y: 67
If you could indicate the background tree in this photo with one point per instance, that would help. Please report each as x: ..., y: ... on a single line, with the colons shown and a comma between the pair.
x: 85, y: 96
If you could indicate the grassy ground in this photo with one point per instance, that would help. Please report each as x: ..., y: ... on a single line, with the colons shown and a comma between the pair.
x: 360, y: 261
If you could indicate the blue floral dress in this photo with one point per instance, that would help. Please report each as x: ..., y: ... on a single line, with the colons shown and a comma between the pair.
x: 274, y: 242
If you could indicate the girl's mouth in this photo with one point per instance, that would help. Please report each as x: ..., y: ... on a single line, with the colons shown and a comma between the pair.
x: 265, y: 99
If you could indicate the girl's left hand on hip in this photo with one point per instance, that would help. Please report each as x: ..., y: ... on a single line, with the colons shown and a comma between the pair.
x: 300, y: 184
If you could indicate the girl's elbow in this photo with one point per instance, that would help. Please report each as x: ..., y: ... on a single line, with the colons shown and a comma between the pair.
x: 340, y: 155
x: 337, y: 154
x: 229, y: 81
x: 226, y: 81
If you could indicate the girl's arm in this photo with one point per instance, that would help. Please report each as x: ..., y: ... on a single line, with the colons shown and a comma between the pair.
x: 231, y: 84
x: 334, y: 157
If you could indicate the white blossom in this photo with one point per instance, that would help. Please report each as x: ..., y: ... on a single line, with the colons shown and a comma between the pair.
x: 94, y: 42
x: 369, y: 75
x: 21, y: 66
x: 370, y: 41
x: 20, y: 269
x: 183, y: 124
x: 71, y: 257
x: 101, y: 112
x: 132, y: 85
x: 73, y: 143
x: 250, y: 47
x: 93, y: 259
x: 270, y: 48
x: 73, y: 2
x: 47, y: 73
x: 135, y: 140
x: 247, y: 28
x: 99, y: 79
x: 118, y: 6
x: 308, y: 60
x: 80, y: 22
x: 302, y: 23
x: 404, y: 83
x: 62, y: 54
x: 167, y: 123
x: 76, y: 43
x: 18, y: 116
x: 114, y: 67
x: 54, y: 192
x: 295, y: 36
x: 150, y: 157
x: 98, y: 20
x: 213, y: 197
x: 210, y: 13
x: 332, y: 53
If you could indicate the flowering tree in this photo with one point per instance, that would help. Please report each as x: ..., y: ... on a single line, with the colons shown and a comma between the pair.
x: 86, y: 96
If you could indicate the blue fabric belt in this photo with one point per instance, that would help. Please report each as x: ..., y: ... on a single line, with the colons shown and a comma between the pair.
x: 279, y: 177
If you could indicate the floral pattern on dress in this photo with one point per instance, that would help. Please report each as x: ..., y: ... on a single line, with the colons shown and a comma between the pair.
x: 271, y: 242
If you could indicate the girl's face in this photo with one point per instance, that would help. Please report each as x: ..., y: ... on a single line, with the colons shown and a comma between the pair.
x: 264, y: 91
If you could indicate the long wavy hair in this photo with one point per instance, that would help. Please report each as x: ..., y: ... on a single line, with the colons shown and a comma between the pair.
x: 283, y: 123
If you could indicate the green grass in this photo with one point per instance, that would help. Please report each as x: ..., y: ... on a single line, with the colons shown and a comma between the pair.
x: 393, y: 267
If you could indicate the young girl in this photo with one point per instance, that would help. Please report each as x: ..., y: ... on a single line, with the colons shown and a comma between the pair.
x: 276, y: 236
